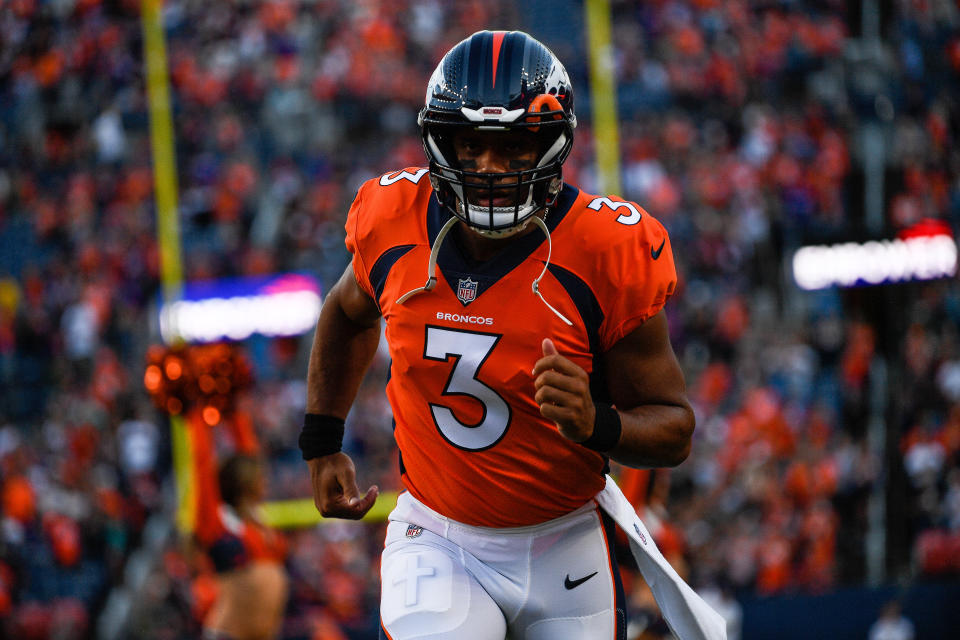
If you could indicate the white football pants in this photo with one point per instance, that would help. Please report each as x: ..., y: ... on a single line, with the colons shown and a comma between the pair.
x: 444, y: 580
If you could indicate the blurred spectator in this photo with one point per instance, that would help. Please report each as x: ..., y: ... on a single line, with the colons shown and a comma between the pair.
x: 725, y: 603
x: 891, y: 625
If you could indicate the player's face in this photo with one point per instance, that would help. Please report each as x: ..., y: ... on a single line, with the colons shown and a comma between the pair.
x: 493, y: 152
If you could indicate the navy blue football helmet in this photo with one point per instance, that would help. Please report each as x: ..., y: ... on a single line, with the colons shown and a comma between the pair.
x: 498, y: 81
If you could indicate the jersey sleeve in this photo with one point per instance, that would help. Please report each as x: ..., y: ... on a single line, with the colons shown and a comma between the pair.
x: 355, y: 228
x: 380, y: 214
x: 640, y: 275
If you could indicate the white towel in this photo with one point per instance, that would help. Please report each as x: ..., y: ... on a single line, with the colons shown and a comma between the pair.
x: 689, y: 616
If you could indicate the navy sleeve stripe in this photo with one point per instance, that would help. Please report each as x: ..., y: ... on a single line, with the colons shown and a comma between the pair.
x: 381, y: 268
x: 586, y: 302
x: 592, y: 315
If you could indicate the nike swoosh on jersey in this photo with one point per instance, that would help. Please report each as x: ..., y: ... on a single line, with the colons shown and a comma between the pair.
x: 572, y: 584
x: 655, y: 253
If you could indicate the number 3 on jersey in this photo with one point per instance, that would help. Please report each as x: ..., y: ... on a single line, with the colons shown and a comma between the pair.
x: 388, y: 179
x: 629, y: 220
x: 469, y: 351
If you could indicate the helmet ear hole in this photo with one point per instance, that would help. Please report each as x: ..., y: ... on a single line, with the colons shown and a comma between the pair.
x: 555, y: 185
x: 541, y: 103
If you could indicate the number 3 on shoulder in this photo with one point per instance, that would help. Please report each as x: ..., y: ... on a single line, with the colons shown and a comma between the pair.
x: 623, y: 218
x: 388, y: 179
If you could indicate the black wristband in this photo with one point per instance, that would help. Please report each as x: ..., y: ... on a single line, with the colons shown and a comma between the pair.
x: 606, y: 429
x: 321, y: 435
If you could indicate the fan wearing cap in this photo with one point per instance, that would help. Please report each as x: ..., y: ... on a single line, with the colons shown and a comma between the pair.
x: 528, y: 343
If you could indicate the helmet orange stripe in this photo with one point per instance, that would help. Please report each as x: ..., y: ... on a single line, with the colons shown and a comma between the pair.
x: 497, y: 43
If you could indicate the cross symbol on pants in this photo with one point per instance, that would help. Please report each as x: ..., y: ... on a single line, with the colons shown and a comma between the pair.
x: 414, y: 571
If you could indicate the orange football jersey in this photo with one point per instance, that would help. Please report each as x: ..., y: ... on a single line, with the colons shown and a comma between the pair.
x: 473, y: 444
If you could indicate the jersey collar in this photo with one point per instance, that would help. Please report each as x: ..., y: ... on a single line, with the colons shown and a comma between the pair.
x: 454, y: 265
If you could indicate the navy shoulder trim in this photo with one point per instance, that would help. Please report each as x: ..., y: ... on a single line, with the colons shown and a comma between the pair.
x: 592, y: 315
x: 585, y: 300
x: 381, y: 268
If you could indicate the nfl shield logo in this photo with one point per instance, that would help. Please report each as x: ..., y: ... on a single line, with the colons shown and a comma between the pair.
x: 413, y: 531
x: 467, y: 290
x: 643, y: 538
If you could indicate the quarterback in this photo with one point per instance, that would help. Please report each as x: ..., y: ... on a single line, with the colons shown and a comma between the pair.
x: 528, y: 343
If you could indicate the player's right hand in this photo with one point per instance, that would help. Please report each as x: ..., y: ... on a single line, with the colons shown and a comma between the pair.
x: 335, y: 490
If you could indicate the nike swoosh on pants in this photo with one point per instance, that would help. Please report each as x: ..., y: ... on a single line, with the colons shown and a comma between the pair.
x: 570, y: 584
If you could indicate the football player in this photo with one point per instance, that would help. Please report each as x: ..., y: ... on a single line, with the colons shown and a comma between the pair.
x: 536, y: 351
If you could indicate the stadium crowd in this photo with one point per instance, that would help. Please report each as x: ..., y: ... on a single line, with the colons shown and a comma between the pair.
x: 739, y: 130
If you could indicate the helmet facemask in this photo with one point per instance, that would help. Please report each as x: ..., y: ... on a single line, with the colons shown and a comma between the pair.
x: 498, y: 204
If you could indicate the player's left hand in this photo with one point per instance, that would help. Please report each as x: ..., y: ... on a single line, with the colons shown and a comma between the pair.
x: 563, y: 393
x: 335, y: 490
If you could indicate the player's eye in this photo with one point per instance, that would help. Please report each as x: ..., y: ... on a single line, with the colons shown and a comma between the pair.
x: 468, y: 147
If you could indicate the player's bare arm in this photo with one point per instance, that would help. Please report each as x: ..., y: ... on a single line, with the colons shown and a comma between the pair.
x: 346, y: 339
x: 647, y: 387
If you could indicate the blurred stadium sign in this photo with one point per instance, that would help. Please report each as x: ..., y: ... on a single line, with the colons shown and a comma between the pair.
x: 234, y: 309
x: 925, y: 251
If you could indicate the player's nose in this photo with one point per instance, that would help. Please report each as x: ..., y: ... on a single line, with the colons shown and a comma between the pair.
x: 492, y: 160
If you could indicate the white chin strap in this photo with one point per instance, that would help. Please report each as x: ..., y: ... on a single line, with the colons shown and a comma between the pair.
x: 435, y: 251
x: 432, y: 264
x: 536, y: 283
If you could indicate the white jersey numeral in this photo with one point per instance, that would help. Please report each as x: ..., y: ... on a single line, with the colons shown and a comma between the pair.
x: 388, y: 179
x: 628, y: 220
x: 469, y: 351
